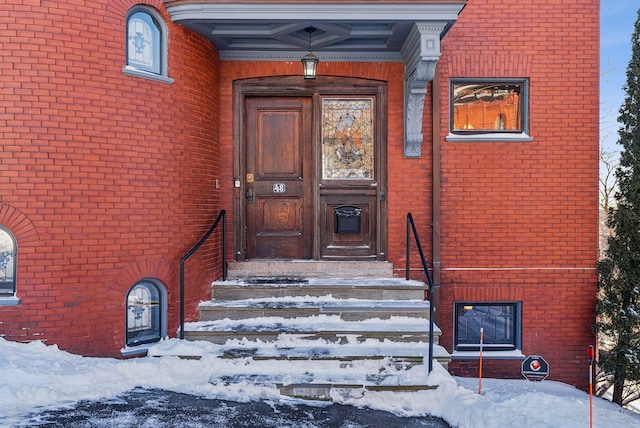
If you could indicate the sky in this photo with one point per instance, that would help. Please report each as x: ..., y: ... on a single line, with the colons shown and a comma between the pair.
x: 617, y: 18
x: 35, y: 378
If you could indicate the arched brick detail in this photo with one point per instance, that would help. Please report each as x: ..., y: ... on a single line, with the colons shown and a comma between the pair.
x: 19, y: 224
x: 145, y: 268
x: 117, y: 9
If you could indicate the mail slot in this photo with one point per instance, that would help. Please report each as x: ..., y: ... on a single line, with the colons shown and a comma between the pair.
x: 347, y: 219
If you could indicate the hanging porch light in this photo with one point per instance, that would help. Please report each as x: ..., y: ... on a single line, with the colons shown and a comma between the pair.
x: 309, y: 61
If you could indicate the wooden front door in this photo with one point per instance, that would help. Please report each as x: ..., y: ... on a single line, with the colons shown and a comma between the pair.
x: 309, y: 168
x: 278, y: 177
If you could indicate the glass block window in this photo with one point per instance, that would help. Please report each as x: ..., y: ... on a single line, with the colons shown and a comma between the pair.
x: 347, y: 139
x: 8, y: 257
x: 500, y: 323
x: 145, y: 312
x: 488, y: 106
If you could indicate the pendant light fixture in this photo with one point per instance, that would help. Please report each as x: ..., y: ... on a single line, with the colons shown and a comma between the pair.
x: 309, y: 61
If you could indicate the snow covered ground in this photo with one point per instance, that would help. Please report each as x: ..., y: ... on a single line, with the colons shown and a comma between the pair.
x: 35, y: 377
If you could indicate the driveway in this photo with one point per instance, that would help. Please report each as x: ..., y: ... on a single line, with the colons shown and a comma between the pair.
x: 157, y: 408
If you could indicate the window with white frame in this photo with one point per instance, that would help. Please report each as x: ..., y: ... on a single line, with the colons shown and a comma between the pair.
x: 8, y: 257
x: 146, y: 312
x: 500, y: 324
x: 493, y: 109
x: 146, y: 44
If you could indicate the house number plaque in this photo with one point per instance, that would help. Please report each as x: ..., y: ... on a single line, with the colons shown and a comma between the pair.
x: 279, y: 188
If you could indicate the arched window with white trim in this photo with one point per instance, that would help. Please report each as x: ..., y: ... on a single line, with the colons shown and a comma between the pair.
x: 146, y: 44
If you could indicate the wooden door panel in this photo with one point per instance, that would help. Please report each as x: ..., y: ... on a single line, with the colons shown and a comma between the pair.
x: 359, y: 244
x: 279, y: 183
x: 278, y: 151
x: 280, y: 217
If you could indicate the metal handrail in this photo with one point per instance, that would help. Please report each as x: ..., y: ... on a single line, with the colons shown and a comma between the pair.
x: 411, y: 226
x: 222, y: 216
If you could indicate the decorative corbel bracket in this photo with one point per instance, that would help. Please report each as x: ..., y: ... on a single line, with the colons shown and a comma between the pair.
x: 420, y: 54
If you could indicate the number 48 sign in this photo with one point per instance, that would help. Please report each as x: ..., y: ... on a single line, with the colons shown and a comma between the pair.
x: 534, y: 367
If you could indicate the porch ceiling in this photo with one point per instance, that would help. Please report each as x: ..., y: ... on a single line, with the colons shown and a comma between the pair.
x: 358, y: 31
x: 408, y: 31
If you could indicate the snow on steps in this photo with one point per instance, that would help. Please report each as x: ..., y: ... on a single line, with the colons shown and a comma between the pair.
x: 314, y: 335
x: 312, y: 369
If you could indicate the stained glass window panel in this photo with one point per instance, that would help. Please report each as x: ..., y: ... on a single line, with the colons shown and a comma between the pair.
x: 143, y: 314
x: 143, y: 38
x: 7, y: 262
x: 347, y: 139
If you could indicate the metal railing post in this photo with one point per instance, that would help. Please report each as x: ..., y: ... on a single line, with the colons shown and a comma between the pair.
x: 411, y: 223
x: 222, y: 216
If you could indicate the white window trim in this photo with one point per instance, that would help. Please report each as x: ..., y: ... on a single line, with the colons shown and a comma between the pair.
x: 490, y: 137
x: 9, y: 301
x: 132, y: 71
x: 164, y: 51
x: 514, y: 354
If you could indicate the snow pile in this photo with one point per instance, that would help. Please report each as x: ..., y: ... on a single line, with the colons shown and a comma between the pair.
x: 35, y: 376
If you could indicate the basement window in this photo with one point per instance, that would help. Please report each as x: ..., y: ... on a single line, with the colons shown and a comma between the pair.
x: 8, y: 257
x: 500, y: 324
x: 146, y: 45
x: 146, y: 314
x: 489, y: 110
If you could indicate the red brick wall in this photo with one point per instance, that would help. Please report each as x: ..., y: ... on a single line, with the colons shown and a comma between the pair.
x: 519, y: 220
x: 115, y: 174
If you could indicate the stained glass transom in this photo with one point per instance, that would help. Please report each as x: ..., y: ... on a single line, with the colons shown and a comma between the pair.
x: 347, y: 139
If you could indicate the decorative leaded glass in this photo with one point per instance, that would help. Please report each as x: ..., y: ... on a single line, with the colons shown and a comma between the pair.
x: 143, y: 314
x: 7, y: 262
x: 347, y: 139
x: 143, y: 38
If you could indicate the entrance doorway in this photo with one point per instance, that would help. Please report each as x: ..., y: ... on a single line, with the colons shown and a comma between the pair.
x: 308, y: 161
x: 278, y: 196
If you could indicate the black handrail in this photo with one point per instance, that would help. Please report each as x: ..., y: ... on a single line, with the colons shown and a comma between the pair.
x: 222, y: 216
x: 412, y: 226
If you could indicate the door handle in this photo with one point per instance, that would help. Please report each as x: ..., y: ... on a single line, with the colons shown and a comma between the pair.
x: 249, y: 193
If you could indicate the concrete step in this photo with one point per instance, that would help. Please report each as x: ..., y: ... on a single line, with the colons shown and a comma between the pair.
x: 309, y: 329
x: 294, y: 307
x: 328, y: 327
x: 309, y: 269
x: 313, y: 370
x: 316, y: 380
x: 340, y: 288
x: 290, y: 348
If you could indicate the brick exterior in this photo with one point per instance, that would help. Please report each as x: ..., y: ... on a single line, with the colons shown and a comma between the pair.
x: 106, y: 178
x: 116, y: 174
x: 519, y: 220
